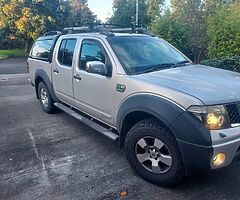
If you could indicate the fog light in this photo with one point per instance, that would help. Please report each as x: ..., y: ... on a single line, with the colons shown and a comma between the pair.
x: 219, y: 159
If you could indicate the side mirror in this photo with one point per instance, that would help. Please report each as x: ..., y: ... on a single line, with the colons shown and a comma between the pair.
x: 96, y: 67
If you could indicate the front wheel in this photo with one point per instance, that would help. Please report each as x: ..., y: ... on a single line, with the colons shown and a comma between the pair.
x: 153, y: 153
x: 45, y: 98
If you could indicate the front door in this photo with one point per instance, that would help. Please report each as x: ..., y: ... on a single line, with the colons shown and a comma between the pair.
x: 94, y: 93
x: 62, y: 69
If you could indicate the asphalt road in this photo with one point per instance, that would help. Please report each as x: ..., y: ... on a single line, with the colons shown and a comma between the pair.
x: 56, y: 157
x: 13, y: 66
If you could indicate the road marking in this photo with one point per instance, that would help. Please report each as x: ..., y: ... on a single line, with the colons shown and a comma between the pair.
x: 3, y: 79
x: 33, y: 143
x: 43, y: 164
x: 45, y: 177
x: 7, y: 76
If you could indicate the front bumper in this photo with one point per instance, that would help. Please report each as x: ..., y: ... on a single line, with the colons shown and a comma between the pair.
x: 196, y: 158
x: 199, y: 146
x: 231, y: 150
x: 200, y: 158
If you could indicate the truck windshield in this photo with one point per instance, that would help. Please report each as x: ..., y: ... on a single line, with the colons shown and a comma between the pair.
x: 139, y: 54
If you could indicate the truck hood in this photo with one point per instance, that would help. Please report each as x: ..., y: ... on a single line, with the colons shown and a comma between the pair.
x: 210, y: 85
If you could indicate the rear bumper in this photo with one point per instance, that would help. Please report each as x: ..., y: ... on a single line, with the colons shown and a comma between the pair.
x: 29, y: 80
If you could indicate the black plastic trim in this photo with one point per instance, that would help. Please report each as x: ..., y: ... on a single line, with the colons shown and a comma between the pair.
x: 196, y: 158
x: 159, y: 107
x: 43, y: 75
x: 189, y: 129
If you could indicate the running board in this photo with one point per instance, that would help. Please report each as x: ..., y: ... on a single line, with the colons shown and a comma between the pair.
x: 88, y: 122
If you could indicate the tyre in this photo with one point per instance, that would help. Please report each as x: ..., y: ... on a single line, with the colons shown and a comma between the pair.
x: 45, y: 98
x: 153, y: 153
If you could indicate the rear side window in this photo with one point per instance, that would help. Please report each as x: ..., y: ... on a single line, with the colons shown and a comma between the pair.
x: 41, y: 49
x: 66, y: 52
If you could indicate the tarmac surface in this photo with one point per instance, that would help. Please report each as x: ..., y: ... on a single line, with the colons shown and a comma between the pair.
x: 57, y: 157
x: 13, y: 66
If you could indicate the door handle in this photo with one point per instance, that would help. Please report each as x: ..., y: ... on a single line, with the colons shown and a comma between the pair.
x: 56, y: 71
x: 77, y: 77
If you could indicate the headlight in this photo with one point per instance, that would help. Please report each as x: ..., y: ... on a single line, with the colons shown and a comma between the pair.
x: 213, y: 117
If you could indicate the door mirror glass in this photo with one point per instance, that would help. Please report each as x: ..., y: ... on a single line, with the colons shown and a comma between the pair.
x: 96, y: 67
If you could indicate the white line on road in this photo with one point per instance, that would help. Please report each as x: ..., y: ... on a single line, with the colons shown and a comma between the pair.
x: 33, y: 143
x: 7, y: 76
x: 45, y: 178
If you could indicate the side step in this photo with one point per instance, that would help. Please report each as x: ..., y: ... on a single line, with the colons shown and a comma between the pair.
x: 92, y: 124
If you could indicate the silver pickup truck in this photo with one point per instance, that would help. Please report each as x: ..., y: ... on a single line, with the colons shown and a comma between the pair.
x: 172, y: 117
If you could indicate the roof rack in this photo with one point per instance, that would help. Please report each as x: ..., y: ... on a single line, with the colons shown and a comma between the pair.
x: 51, y: 33
x: 107, y: 29
x: 89, y: 29
x: 145, y: 31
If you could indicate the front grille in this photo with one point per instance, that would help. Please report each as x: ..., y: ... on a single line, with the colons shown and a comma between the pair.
x: 234, y: 113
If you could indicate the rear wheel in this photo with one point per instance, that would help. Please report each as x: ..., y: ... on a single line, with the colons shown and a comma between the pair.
x: 45, y: 98
x: 153, y: 153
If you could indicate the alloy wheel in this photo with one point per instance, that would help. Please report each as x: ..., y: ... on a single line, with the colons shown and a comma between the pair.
x: 153, y: 155
x: 44, y: 97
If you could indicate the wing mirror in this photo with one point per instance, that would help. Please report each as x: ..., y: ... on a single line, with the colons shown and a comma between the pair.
x: 96, y: 67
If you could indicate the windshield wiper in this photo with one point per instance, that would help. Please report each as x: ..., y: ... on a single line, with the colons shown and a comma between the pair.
x: 152, y: 68
x: 181, y: 63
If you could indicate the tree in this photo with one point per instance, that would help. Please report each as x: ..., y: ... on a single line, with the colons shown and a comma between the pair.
x: 124, y: 12
x: 154, y: 9
x: 26, y: 20
x: 224, y: 31
x: 80, y: 13
x: 173, y: 31
x: 192, y: 15
x: 9, y: 13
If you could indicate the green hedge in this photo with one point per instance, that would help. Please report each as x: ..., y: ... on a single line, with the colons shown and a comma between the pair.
x: 232, y: 63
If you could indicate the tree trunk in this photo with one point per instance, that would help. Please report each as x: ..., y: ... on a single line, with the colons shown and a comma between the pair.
x: 27, y: 45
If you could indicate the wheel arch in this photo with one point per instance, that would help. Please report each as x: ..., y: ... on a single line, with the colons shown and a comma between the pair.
x: 42, y: 76
x: 143, y: 106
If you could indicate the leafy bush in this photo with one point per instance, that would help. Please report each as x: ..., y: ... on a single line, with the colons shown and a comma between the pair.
x: 224, y: 31
x: 172, y: 30
x: 231, y: 63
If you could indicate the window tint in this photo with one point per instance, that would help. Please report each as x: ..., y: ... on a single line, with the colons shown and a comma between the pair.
x: 41, y: 49
x: 91, y: 51
x: 61, y: 51
x: 137, y: 53
x: 66, y: 51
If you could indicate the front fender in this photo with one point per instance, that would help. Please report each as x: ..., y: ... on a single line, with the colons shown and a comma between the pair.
x: 182, y: 124
x: 163, y: 109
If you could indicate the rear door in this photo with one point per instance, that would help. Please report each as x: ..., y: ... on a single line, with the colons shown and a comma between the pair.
x: 62, y: 68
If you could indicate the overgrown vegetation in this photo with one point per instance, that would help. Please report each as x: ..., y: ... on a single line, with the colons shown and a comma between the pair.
x: 202, y: 29
x: 224, y: 31
x: 231, y: 63
x: 22, y: 21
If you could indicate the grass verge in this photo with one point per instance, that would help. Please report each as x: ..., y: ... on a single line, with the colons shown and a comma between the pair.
x: 12, y: 53
x: 3, y: 57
